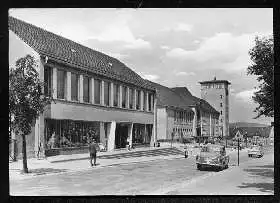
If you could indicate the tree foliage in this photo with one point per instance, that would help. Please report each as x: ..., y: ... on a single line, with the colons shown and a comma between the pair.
x: 26, y: 98
x: 262, y: 66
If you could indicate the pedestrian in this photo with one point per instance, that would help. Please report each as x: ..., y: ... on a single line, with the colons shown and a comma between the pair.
x: 127, y: 144
x: 39, y: 151
x: 186, y: 151
x: 92, y: 151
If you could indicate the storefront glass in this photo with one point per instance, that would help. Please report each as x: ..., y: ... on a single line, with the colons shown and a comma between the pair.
x: 141, y: 134
x: 68, y: 133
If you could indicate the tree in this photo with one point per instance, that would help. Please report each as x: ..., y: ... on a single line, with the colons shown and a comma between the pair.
x: 26, y: 99
x: 262, y: 66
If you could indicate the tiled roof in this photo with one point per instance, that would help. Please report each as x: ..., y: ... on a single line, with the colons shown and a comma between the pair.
x: 192, y: 100
x: 60, y: 49
x: 167, y: 97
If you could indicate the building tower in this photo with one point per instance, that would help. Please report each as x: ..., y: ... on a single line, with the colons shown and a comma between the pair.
x: 216, y: 93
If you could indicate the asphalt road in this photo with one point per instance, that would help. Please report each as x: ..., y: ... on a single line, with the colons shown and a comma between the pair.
x: 140, y: 179
x: 251, y: 177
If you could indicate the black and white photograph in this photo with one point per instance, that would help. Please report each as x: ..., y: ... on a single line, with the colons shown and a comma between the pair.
x: 158, y: 101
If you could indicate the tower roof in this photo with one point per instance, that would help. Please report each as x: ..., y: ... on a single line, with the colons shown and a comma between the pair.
x: 215, y: 81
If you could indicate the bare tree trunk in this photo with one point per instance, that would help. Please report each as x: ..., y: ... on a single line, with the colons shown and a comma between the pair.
x: 24, y: 157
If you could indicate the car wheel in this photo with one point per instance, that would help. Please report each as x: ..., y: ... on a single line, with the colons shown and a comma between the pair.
x: 199, y: 167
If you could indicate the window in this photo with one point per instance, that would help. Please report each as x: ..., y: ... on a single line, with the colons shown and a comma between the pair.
x: 86, y: 89
x: 221, y: 96
x: 74, y: 87
x: 221, y: 112
x: 61, y: 84
x: 150, y: 102
x: 67, y: 133
x: 116, y: 94
x: 221, y: 120
x: 145, y: 101
x: 138, y: 98
x: 124, y: 95
x: 221, y: 104
x: 106, y: 93
x: 48, y: 81
x: 131, y: 98
x: 97, y: 91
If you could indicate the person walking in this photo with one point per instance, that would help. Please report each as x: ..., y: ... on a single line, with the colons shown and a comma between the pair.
x: 186, y: 151
x: 93, y: 151
x: 39, y: 151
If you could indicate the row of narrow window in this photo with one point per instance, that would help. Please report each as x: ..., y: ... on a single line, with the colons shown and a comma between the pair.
x: 181, y: 130
x: 62, y: 86
x: 183, y: 116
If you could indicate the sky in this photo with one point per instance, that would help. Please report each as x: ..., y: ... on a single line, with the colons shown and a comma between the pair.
x: 172, y: 47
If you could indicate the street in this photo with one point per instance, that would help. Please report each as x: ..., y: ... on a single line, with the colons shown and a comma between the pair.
x: 252, y: 177
x: 178, y: 176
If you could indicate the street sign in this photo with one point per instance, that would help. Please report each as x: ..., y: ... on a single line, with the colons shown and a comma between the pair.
x: 238, y: 135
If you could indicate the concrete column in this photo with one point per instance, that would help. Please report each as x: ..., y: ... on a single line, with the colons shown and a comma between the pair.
x: 102, y: 133
x: 210, y: 125
x: 68, y: 91
x: 39, y: 135
x: 54, y: 82
x: 91, y: 100
x: 134, y: 102
x: 130, y: 130
x: 147, y: 101
x: 201, y: 118
x: 111, y: 136
x: 81, y: 88
x: 127, y: 97
x: 102, y: 93
x: 142, y: 100
x: 194, y: 122
x: 111, y: 97
x: 120, y: 96
x: 155, y: 120
x: 152, y: 103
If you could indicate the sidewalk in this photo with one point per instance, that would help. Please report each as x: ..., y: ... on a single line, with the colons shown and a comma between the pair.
x: 80, y: 162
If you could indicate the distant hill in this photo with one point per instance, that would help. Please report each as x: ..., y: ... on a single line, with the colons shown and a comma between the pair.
x: 247, y: 125
x: 251, y: 129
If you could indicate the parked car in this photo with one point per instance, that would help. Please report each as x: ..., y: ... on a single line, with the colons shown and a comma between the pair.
x: 212, y: 156
x: 255, y: 151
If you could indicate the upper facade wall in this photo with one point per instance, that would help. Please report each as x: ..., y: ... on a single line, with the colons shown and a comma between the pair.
x: 73, y: 111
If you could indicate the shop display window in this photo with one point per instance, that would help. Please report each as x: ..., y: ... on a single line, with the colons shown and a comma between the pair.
x: 68, y: 133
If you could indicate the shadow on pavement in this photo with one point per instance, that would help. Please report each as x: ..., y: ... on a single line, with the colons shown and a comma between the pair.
x: 265, y: 171
x: 263, y: 187
x: 263, y: 166
x: 134, y: 154
x: 43, y: 171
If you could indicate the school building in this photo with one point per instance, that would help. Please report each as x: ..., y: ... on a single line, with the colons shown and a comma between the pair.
x: 95, y: 95
x: 184, y: 115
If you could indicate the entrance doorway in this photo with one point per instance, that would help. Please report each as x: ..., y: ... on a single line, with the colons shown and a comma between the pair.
x: 121, y: 135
